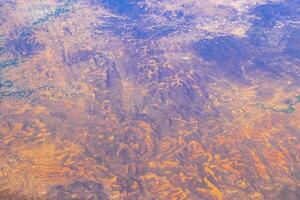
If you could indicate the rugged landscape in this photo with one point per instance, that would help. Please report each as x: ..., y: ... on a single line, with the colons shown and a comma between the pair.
x: 149, y: 100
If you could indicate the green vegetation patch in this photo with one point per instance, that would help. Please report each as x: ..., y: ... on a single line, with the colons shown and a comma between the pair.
x: 290, y: 109
x: 8, y: 63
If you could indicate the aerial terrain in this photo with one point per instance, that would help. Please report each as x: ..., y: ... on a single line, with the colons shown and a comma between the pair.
x: 149, y: 100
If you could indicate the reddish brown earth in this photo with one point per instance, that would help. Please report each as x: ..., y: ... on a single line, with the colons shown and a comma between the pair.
x: 181, y: 100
